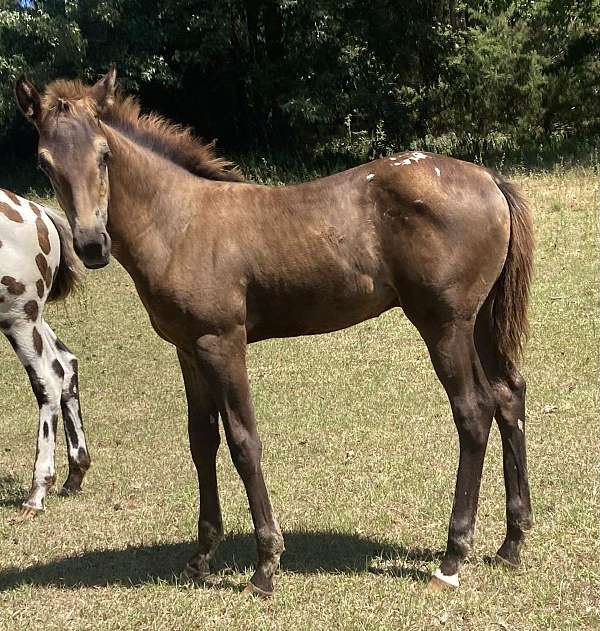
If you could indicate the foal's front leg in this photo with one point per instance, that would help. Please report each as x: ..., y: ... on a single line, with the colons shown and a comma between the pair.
x: 203, y: 430
x: 223, y: 361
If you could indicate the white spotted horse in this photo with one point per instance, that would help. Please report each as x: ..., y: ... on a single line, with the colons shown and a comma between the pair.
x: 37, y: 265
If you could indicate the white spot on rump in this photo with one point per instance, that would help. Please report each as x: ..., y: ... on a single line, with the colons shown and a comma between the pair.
x: 520, y: 424
x: 438, y: 171
x: 415, y: 156
x: 370, y: 177
x: 450, y: 580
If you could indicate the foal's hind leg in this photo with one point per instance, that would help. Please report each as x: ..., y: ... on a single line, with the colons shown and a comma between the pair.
x: 78, y: 454
x: 509, y: 390
x: 203, y: 430
x: 39, y: 359
x: 457, y: 365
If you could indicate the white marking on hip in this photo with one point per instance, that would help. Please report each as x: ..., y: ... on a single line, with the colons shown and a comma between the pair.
x: 520, y: 424
x: 415, y: 156
x: 370, y: 177
x: 450, y: 580
x: 437, y: 171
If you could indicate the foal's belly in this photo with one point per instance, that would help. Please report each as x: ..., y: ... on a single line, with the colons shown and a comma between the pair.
x: 312, y: 311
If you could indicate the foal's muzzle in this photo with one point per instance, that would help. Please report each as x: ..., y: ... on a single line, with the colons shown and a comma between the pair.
x: 93, y: 248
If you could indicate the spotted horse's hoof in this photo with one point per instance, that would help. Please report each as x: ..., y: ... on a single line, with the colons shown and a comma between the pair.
x: 26, y: 513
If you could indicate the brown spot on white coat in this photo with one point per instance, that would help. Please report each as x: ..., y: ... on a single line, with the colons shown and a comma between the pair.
x: 37, y: 341
x: 13, y: 285
x: 45, y: 270
x: 10, y: 213
x: 31, y: 309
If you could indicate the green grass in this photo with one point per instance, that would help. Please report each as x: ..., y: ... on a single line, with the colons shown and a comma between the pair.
x: 360, y: 457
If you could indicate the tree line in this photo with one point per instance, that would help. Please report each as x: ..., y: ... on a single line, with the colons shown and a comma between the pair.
x: 327, y: 77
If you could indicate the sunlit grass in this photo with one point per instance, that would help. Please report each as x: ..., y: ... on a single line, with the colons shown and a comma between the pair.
x: 360, y: 456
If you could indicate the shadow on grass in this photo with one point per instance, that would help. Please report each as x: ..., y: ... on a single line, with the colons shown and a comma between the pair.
x: 306, y: 553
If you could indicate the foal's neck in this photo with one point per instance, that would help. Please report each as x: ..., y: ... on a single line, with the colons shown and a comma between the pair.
x: 147, y: 209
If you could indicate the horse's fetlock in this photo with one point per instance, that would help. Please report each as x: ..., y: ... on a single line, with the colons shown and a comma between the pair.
x: 209, y: 534
x: 270, y: 542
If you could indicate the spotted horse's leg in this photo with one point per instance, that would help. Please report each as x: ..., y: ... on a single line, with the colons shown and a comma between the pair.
x: 38, y: 358
x: 79, y: 458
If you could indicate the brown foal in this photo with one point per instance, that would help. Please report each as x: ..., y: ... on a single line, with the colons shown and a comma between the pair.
x: 219, y: 263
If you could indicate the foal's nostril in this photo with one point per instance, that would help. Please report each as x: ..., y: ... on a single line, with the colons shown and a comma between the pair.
x: 93, y: 251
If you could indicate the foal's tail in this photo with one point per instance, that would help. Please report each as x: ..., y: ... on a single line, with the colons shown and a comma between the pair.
x: 512, y: 287
x: 69, y: 273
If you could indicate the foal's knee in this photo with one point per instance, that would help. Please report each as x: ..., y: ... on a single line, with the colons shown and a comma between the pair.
x: 246, y: 452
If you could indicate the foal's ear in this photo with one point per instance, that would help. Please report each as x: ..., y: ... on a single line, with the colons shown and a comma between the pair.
x: 104, y: 90
x: 29, y: 100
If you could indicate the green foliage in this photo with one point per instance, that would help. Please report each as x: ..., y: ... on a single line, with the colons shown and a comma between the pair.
x: 329, y: 77
x: 39, y: 41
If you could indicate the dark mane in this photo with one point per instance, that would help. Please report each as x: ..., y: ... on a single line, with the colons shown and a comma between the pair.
x: 174, y: 142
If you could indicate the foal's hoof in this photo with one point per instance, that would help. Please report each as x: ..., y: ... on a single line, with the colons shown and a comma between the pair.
x: 503, y: 562
x: 27, y: 513
x: 438, y: 582
x: 195, y: 571
x: 253, y: 590
x: 68, y: 492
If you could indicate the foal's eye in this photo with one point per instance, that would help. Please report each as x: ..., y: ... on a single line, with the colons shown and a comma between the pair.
x: 105, y: 157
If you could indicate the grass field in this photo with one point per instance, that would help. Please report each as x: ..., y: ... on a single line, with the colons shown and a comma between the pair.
x: 360, y: 458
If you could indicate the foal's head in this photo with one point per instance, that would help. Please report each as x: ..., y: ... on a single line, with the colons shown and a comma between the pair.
x: 74, y: 153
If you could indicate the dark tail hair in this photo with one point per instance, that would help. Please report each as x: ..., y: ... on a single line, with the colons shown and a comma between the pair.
x: 69, y: 273
x: 509, y: 314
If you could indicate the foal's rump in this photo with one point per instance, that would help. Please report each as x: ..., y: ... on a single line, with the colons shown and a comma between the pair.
x: 445, y: 229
